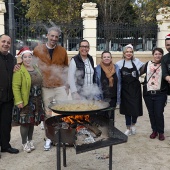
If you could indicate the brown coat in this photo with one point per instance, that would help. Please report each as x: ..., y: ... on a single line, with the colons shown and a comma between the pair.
x: 54, y: 71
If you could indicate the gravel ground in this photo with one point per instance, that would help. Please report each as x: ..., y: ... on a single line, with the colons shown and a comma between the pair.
x: 139, y: 153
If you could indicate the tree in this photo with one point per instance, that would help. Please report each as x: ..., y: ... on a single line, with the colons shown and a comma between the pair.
x: 112, y: 13
x: 62, y: 12
x: 146, y: 10
x: 115, y: 11
x: 19, y: 11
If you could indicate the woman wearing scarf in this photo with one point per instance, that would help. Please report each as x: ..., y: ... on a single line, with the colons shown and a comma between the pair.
x: 108, y: 80
x: 131, y: 96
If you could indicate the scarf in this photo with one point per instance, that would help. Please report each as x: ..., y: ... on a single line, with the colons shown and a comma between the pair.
x: 109, y: 71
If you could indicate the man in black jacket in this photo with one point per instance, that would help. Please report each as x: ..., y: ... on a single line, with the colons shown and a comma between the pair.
x: 7, y: 62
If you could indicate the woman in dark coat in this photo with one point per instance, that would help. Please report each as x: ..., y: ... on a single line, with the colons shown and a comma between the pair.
x: 108, y: 80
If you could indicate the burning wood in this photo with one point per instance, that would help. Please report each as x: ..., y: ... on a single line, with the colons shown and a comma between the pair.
x: 84, y: 121
x: 76, y: 118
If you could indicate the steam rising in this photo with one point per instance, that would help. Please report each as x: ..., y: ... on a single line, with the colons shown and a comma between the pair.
x: 90, y: 91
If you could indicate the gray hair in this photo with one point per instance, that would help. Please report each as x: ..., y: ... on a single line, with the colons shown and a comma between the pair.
x: 56, y: 29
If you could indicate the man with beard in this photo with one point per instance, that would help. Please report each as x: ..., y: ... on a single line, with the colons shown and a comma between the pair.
x: 165, y: 62
x: 53, y: 63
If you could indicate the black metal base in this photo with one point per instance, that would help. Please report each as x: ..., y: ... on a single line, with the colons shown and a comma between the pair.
x: 117, y: 138
x: 63, y: 136
x: 0, y: 152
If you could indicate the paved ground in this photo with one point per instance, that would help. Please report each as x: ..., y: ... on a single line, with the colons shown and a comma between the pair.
x: 139, y: 153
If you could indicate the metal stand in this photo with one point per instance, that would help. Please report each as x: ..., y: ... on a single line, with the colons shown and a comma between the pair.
x: 64, y: 155
x: 58, y: 151
x: 115, y: 136
x: 0, y: 152
x: 110, y: 157
x: 111, y: 134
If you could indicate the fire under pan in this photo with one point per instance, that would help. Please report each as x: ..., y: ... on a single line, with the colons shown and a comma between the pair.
x: 110, y: 135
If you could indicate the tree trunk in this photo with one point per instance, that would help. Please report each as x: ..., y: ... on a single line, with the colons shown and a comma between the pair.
x: 65, y: 37
x: 144, y: 43
x: 107, y: 45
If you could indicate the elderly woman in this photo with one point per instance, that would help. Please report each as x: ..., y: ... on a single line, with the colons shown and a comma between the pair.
x: 131, y: 96
x: 108, y: 80
x: 155, y: 93
x: 28, y: 110
x: 81, y: 77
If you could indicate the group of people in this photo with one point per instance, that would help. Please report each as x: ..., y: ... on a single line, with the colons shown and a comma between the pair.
x: 27, y: 88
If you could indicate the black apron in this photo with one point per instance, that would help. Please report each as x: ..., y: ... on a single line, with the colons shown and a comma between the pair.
x: 131, y: 95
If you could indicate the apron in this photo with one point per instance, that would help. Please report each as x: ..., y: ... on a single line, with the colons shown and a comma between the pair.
x: 131, y: 95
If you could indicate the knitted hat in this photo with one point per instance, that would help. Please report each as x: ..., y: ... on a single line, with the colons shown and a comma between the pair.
x: 167, y: 37
x: 129, y: 45
x: 24, y: 50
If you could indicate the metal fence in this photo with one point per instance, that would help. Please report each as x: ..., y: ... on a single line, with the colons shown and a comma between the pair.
x: 111, y: 37
x: 115, y: 36
x: 31, y: 33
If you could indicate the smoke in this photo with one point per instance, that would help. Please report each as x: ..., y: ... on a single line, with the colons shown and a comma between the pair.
x: 56, y: 72
x: 90, y: 91
x: 35, y: 60
x: 53, y: 24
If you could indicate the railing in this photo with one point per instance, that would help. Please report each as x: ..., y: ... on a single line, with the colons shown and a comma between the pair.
x: 115, y: 36
x: 112, y: 36
x: 31, y: 33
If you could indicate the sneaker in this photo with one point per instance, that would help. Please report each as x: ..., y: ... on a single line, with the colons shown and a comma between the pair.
x: 32, y: 147
x: 26, y: 147
x: 127, y: 132
x: 47, y: 145
x: 42, y: 125
x: 133, y: 130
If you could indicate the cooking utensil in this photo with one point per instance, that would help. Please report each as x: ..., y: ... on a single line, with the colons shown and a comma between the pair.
x: 101, y: 106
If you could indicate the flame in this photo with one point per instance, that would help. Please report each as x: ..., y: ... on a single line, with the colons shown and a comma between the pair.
x: 78, y: 118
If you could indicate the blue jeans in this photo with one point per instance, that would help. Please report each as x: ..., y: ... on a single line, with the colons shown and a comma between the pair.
x: 155, y: 104
x: 130, y: 120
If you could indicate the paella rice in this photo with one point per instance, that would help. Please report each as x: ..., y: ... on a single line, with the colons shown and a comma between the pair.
x: 75, y: 107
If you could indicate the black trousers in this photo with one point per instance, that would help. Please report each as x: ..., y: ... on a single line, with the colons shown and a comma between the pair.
x: 155, y: 104
x: 5, y: 123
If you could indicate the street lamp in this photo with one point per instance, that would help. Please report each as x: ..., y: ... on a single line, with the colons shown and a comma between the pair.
x: 12, y: 26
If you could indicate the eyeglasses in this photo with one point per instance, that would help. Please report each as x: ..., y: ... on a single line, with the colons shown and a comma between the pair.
x: 84, y: 46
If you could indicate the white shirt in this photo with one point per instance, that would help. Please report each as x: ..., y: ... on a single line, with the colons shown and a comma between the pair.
x: 154, y: 76
x: 88, y: 79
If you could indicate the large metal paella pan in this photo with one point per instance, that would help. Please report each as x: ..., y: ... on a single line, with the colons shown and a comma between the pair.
x: 71, y: 107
